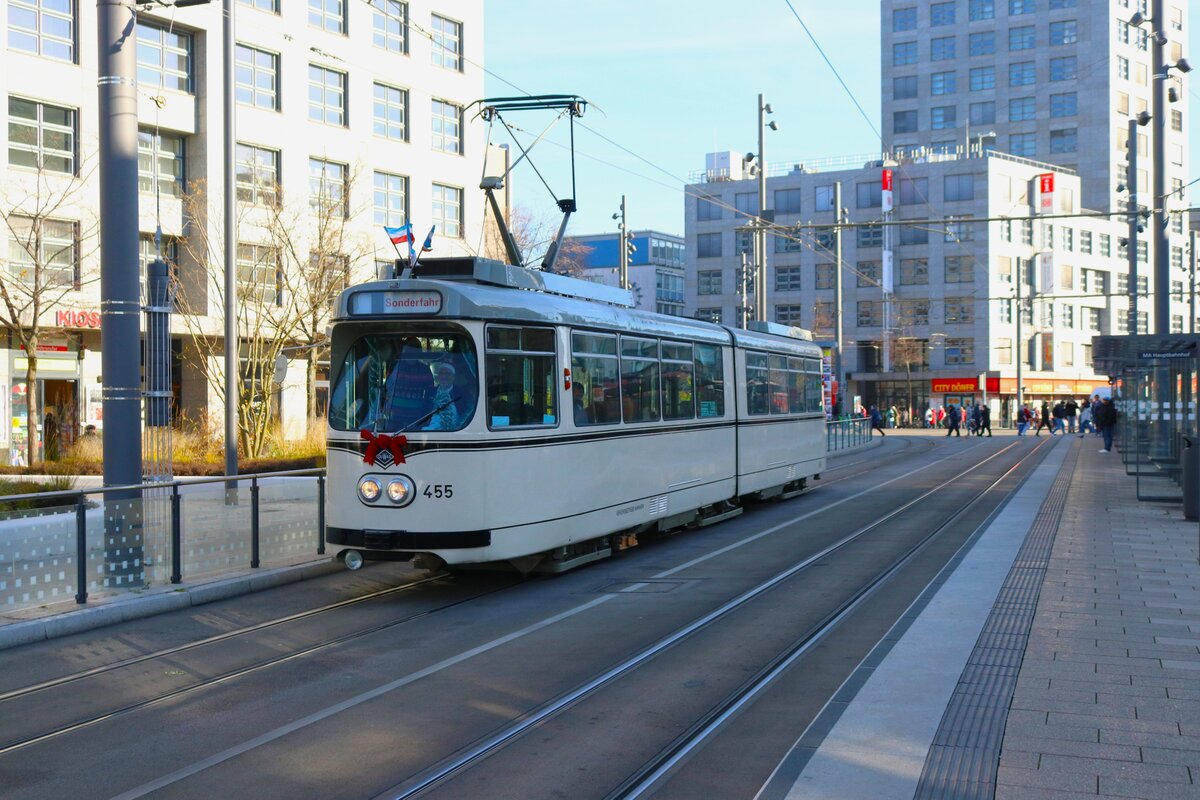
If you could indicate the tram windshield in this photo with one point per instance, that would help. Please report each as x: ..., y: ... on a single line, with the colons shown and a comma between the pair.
x: 406, y: 381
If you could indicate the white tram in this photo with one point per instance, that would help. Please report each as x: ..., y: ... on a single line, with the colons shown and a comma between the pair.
x: 486, y: 413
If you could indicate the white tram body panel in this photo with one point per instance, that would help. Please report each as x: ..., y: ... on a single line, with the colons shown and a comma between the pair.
x: 555, y: 421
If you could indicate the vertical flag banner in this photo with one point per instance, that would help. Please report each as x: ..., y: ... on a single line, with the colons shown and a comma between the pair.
x: 1046, y: 272
x: 886, y: 278
x: 887, y: 190
x: 1046, y: 192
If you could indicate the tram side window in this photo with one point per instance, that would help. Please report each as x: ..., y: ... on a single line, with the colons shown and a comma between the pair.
x: 758, y: 384
x: 521, y: 377
x: 779, y: 379
x: 814, y: 385
x: 595, y: 376
x: 678, y: 381
x: 795, y: 387
x: 639, y: 379
x: 710, y: 381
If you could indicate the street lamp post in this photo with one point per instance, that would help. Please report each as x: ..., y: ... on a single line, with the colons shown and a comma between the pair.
x: 765, y: 216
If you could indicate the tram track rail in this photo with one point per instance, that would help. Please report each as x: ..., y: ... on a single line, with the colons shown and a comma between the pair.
x: 652, y: 771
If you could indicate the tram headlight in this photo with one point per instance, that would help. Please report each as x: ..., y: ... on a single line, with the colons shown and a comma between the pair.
x: 401, y: 491
x: 369, y: 489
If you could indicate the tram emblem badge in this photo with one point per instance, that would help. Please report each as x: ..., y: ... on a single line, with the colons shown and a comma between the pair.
x: 383, y: 450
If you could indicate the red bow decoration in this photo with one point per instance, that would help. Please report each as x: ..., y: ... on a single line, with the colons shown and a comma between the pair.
x: 382, y: 441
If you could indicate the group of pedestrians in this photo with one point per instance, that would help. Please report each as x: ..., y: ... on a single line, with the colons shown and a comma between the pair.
x: 1100, y: 416
x: 977, y: 419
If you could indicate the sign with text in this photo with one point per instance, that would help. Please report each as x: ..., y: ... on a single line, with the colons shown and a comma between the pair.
x: 74, y: 318
x: 1046, y: 192
x: 405, y: 303
x: 886, y: 186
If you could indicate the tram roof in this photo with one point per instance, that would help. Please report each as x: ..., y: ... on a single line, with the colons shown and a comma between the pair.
x: 463, y: 297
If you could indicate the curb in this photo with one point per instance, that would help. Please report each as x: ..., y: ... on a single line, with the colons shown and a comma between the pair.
x: 171, y: 598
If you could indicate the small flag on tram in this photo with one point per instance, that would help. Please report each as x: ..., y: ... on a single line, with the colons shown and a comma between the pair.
x: 428, y: 246
x: 399, y: 235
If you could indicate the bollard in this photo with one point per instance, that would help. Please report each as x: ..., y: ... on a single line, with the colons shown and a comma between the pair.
x: 1190, y: 455
x: 254, y: 522
x: 176, y: 536
x: 81, y: 549
x: 320, y: 515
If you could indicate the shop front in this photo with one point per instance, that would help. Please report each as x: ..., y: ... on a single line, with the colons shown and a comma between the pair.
x: 58, y: 398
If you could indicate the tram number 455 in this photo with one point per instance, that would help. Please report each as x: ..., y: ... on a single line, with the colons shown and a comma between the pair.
x: 439, y: 490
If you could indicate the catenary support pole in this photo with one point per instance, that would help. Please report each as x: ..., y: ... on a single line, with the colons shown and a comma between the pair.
x: 837, y: 298
x: 232, y: 371
x: 1159, y: 243
x: 1134, y: 219
x: 760, y: 229
x: 120, y: 304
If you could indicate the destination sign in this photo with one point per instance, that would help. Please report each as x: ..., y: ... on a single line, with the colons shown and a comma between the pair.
x: 1157, y: 354
x: 376, y: 303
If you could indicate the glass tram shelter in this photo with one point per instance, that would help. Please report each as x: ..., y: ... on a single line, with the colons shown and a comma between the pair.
x: 1154, y: 387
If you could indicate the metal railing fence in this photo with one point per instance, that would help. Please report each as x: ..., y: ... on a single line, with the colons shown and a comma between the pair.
x: 845, y: 433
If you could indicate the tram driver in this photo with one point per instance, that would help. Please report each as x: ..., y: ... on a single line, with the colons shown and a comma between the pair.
x: 409, y: 386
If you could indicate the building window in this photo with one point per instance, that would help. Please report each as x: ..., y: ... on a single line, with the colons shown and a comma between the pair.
x: 1064, y: 69
x: 328, y: 15
x: 1020, y: 38
x: 1057, y: 4
x: 43, y: 27
x: 959, y: 187
x: 1123, y: 68
x: 914, y: 312
x: 447, y: 210
x: 257, y: 175
x: 446, y: 120
x: 1176, y: 120
x: 269, y: 6
x: 47, y: 244
x: 914, y: 191
x: 164, y: 58
x: 1022, y: 144
x: 1064, y: 141
x: 960, y: 351
x: 1021, y: 108
x: 824, y: 275
x: 707, y: 208
x: 913, y: 234
x: 391, y: 199
x: 709, y: 315
x: 788, y: 315
x: 959, y: 310
x: 960, y: 269
x: 326, y: 95
x: 389, y: 25
x: 746, y: 203
x: 447, y: 43
x: 1021, y: 73
x: 982, y: 9
x: 914, y: 271
x: 942, y: 83
x: 258, y: 273
x: 1064, y: 105
x: 1065, y: 32
x: 390, y: 112
x: 708, y: 245
x: 708, y: 281
x: 160, y: 163
x: 904, y: 19
x: 257, y: 80
x: 787, y: 243
x: 1004, y: 311
x: 982, y: 44
x: 904, y: 122
x: 870, y: 195
x: 870, y: 236
x: 1017, y: 8
x: 787, y: 201
x: 1066, y: 313
x: 870, y: 313
x: 1085, y: 242
x: 982, y: 78
x: 958, y: 230
x: 823, y: 198
x: 1068, y: 239
x: 904, y: 88
x: 904, y: 53
x: 983, y: 113
x: 41, y: 136
x: 941, y: 49
x: 743, y: 242
x: 941, y: 14
x: 1004, y: 348
x: 1105, y: 245
x: 787, y: 279
x: 868, y: 274
x: 327, y: 186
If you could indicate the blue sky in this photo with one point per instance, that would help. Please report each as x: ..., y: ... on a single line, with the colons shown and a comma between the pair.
x: 672, y: 80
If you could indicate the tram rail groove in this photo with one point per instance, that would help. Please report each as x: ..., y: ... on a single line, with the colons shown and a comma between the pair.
x: 315, y: 717
x: 465, y: 758
x: 653, y: 772
x: 236, y: 673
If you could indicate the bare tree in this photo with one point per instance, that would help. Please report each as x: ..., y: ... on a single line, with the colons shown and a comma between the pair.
x: 908, y: 352
x: 48, y: 245
x: 268, y: 310
x: 533, y: 234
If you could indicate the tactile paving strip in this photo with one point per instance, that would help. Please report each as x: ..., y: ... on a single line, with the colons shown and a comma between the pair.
x: 965, y: 754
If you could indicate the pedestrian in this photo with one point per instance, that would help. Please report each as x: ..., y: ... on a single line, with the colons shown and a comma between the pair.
x: 941, y: 416
x: 929, y: 418
x: 1023, y: 418
x: 877, y: 421
x: 985, y: 421
x: 1044, y: 420
x: 1105, y: 419
x: 1059, y: 415
x: 1072, y: 409
x: 1085, y: 418
x: 1095, y: 407
x: 891, y: 417
x: 953, y: 418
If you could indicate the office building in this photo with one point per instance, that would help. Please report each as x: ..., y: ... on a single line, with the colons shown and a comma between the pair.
x: 656, y: 265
